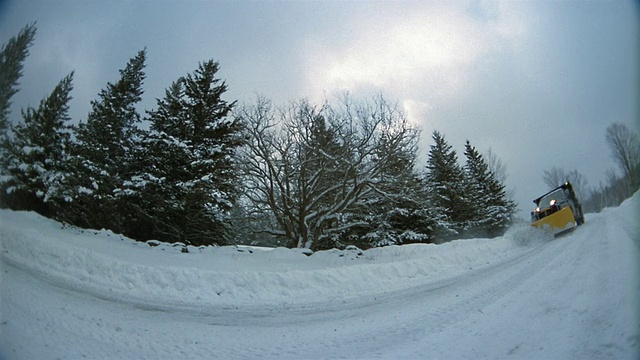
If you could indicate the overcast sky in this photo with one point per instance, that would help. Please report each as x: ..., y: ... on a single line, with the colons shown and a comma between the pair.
x: 537, y: 82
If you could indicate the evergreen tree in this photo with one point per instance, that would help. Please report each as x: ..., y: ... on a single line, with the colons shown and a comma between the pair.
x: 401, y: 216
x: 12, y: 57
x: 190, y: 182
x: 319, y: 152
x: 37, y: 151
x: 398, y: 213
x: 491, y: 212
x: 446, y: 184
x: 103, y: 156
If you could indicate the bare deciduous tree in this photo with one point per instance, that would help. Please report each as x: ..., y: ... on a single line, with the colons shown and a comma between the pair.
x: 307, y: 166
x: 557, y: 176
x: 499, y: 170
x: 496, y: 166
x: 625, y: 150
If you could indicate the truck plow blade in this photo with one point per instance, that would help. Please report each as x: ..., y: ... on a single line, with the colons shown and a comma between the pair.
x: 557, y: 222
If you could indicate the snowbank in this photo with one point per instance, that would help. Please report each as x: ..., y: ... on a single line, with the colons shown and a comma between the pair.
x: 525, y: 295
x: 112, y: 266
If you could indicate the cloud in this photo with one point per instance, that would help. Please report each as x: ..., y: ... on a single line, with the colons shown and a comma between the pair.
x: 431, y: 49
x: 415, y: 110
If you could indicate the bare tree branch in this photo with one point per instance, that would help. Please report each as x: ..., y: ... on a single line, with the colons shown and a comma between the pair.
x: 307, y: 165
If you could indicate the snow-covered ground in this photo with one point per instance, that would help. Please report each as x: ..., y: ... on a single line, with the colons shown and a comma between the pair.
x: 72, y: 294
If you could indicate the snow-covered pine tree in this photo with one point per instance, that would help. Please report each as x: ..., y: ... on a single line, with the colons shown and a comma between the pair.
x: 491, y: 210
x: 12, y: 57
x: 190, y: 183
x: 37, y: 151
x: 102, y: 156
x: 398, y: 213
x: 445, y: 181
x: 401, y: 216
x: 412, y: 219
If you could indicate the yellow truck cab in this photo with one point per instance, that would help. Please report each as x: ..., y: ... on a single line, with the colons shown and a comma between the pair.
x: 558, y: 210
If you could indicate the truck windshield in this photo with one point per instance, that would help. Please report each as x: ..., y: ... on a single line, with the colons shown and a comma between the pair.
x: 558, y: 195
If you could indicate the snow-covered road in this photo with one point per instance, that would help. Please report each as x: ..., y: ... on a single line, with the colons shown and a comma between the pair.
x: 520, y: 296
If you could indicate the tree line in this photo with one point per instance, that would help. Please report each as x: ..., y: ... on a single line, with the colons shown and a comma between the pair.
x: 624, y: 145
x: 207, y: 171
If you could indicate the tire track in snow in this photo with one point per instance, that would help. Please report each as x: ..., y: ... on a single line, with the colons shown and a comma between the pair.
x: 411, y: 315
x: 432, y: 311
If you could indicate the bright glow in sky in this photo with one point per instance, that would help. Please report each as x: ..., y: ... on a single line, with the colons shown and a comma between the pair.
x: 438, y: 44
x: 537, y: 82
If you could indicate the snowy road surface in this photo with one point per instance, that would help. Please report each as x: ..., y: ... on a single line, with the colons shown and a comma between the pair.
x: 67, y: 294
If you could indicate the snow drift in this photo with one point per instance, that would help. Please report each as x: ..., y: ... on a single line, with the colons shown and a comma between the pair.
x: 112, y: 266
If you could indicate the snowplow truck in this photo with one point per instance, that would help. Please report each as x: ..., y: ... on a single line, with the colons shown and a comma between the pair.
x: 558, y: 210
